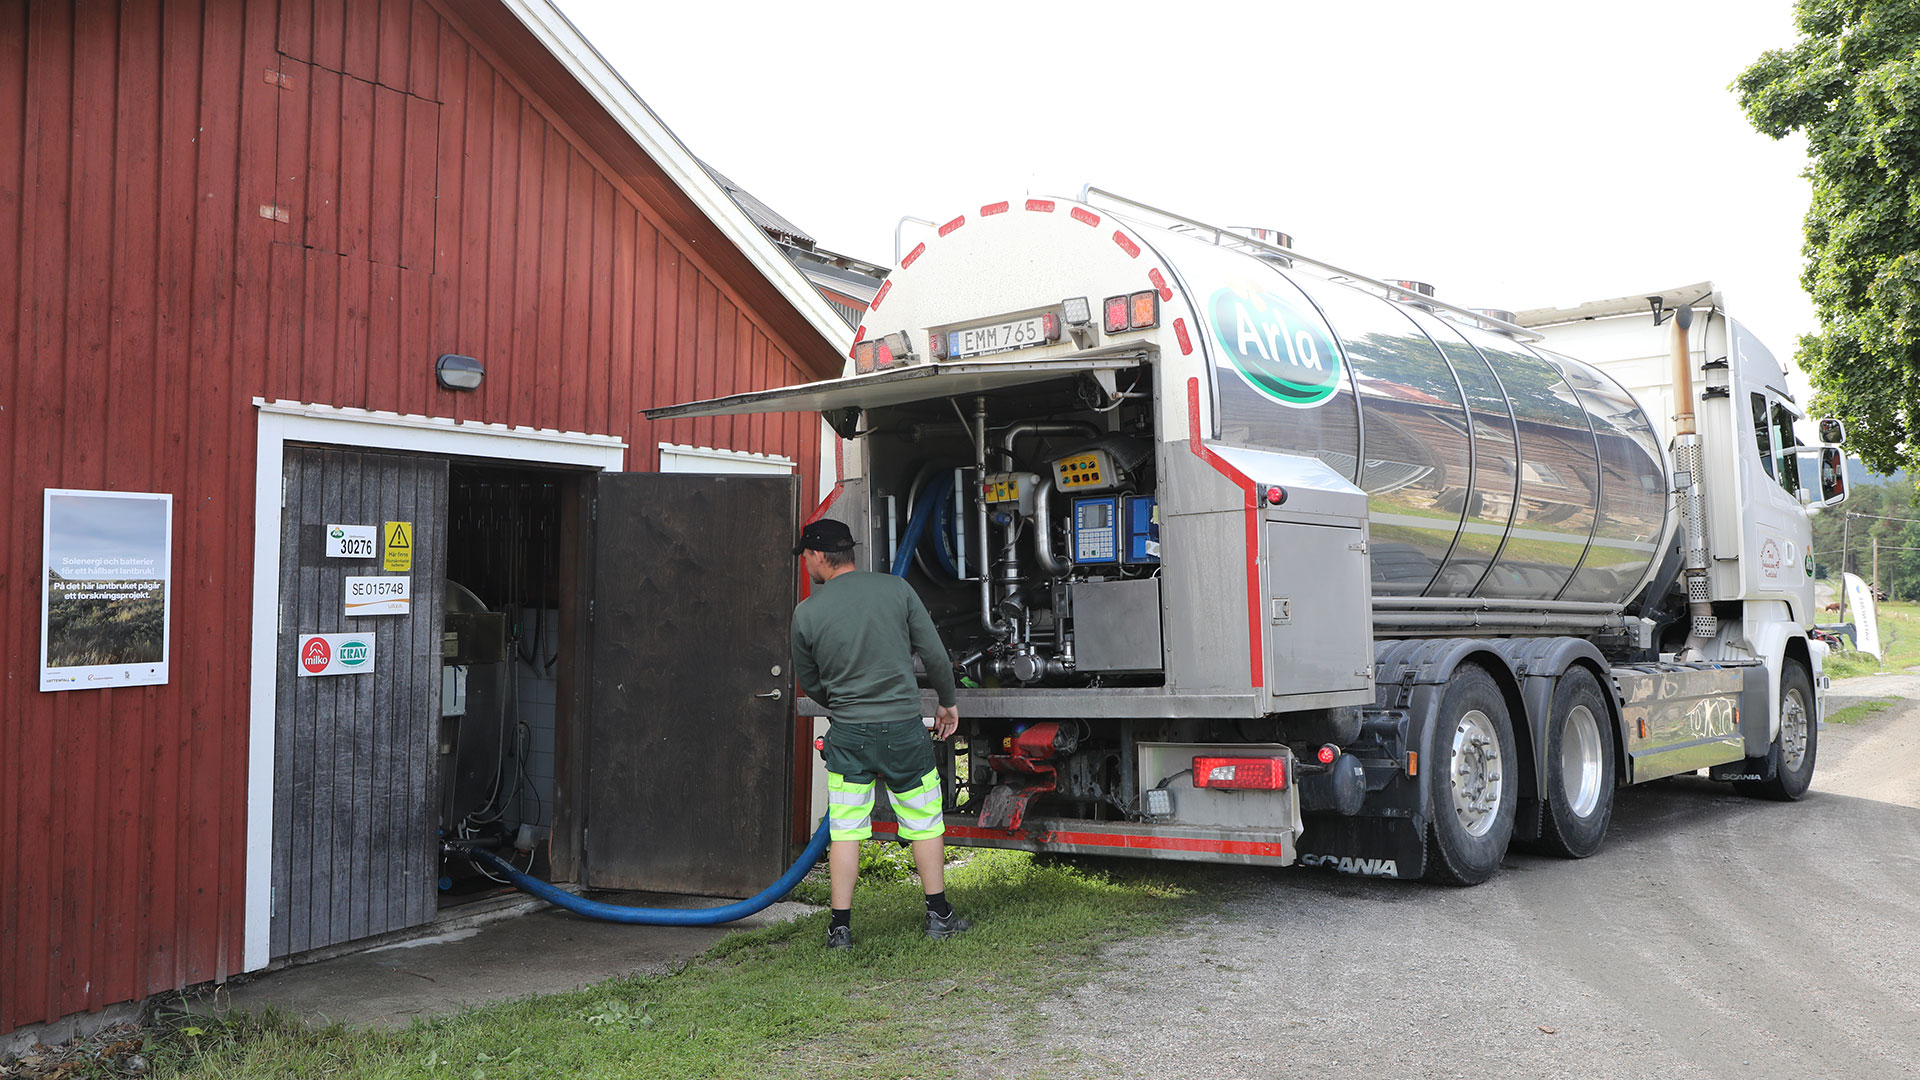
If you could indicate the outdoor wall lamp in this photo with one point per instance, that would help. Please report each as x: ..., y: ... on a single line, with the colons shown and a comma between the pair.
x: 456, y: 372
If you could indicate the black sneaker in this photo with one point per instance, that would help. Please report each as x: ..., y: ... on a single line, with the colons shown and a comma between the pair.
x: 945, y: 926
x: 841, y: 937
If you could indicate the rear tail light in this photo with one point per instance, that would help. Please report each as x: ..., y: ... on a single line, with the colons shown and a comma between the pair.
x: 1050, y: 326
x: 937, y: 346
x: 1116, y: 313
x: 1243, y: 773
x: 895, y: 349
x: 866, y: 356
x: 1144, y: 310
x: 1327, y: 753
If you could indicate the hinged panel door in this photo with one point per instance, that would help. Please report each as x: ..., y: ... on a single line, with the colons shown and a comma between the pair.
x: 689, y: 733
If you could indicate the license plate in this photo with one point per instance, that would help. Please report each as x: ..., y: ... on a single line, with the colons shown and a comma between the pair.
x: 998, y: 337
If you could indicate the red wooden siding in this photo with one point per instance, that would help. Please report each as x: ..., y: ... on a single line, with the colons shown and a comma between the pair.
x: 201, y: 202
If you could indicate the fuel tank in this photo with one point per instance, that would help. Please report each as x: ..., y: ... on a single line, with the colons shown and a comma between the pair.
x: 1493, y: 469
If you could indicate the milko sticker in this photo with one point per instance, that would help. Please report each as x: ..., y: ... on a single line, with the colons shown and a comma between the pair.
x: 1280, y: 348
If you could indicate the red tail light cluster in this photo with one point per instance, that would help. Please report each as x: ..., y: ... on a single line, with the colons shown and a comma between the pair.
x: 1241, y: 773
x: 1140, y: 311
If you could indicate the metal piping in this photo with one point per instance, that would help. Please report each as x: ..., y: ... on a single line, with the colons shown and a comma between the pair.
x: 1687, y: 461
x: 992, y: 623
x: 1452, y: 622
x: 1053, y: 565
x: 1469, y: 603
x: 1043, y: 427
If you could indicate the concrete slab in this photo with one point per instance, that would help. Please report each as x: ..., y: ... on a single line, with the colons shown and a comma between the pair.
x: 541, y: 952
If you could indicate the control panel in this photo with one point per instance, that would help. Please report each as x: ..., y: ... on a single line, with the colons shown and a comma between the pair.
x: 1096, y: 530
x: 1089, y: 470
x: 1142, y: 520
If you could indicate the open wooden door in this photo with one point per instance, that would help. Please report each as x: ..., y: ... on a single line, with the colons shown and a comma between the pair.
x: 689, y: 725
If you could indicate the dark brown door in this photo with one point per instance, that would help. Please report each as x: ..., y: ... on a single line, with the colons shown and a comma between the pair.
x: 689, y: 733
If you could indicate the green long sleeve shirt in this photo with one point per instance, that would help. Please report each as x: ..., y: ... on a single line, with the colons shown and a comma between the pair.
x: 854, y: 640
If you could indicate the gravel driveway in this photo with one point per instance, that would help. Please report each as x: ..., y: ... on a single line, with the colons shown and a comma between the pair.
x: 1714, y: 936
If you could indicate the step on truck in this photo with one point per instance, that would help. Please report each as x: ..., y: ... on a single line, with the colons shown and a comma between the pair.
x: 1243, y: 557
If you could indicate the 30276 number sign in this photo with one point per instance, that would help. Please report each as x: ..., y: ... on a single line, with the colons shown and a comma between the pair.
x: 352, y: 541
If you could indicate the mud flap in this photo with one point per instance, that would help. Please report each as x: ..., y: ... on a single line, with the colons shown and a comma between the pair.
x: 1394, y: 847
x: 1006, y: 805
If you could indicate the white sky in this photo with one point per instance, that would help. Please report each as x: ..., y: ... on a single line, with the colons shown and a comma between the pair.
x: 1514, y: 154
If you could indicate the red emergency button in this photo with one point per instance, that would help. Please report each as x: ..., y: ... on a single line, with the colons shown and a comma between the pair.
x: 1276, y: 495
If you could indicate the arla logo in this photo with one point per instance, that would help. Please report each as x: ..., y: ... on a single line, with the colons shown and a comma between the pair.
x: 1280, y: 348
x: 315, y: 655
x: 353, y: 653
x: 338, y: 533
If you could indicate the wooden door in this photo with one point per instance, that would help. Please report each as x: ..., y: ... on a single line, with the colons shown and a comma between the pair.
x: 354, y: 818
x: 690, y: 726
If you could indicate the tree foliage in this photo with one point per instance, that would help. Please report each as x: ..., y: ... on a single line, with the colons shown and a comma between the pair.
x: 1852, y: 86
x: 1882, y: 512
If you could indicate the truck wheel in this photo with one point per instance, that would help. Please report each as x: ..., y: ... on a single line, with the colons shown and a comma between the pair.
x: 1473, y: 785
x: 1576, y: 794
x: 1790, y: 758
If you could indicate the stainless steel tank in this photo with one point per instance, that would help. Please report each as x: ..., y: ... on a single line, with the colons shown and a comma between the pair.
x: 1493, y: 469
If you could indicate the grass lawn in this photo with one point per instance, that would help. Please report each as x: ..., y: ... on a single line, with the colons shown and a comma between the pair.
x: 1899, y: 639
x: 1859, y: 711
x: 773, y: 1002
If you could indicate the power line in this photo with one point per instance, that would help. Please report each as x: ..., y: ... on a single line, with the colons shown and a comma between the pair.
x: 1882, y: 517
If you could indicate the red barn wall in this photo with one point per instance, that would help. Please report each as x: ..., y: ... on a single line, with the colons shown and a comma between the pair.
x: 201, y: 202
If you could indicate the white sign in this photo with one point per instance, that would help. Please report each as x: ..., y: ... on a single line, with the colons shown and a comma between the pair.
x: 106, y: 593
x: 352, y: 541
x: 379, y: 596
x: 1866, y: 619
x: 334, y: 654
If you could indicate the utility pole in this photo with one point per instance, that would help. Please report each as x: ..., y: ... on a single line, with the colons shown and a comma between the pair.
x: 1876, y: 568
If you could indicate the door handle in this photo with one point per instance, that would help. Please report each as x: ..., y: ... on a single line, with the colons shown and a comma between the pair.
x: 771, y: 695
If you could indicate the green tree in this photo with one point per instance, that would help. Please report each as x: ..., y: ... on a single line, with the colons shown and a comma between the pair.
x: 1851, y: 84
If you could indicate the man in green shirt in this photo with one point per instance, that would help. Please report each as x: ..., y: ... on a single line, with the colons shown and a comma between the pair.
x: 854, y: 640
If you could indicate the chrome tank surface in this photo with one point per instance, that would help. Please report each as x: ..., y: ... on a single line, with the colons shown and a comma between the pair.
x: 1493, y: 469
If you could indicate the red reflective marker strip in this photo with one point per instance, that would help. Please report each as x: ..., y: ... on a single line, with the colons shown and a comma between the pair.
x: 806, y: 583
x: 1266, y: 848
x: 918, y: 250
x: 1160, y: 284
x: 1085, y: 216
x: 996, y: 208
x: 1040, y: 206
x: 952, y: 225
x: 1132, y: 249
x: 1180, y: 331
x: 1255, y: 672
x: 858, y: 336
x: 885, y: 287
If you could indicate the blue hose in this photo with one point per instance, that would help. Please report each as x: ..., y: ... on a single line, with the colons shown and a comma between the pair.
x: 911, y: 538
x: 594, y: 909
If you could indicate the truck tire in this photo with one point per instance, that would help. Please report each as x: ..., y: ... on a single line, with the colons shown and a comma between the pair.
x: 1576, y: 789
x: 1790, y: 758
x: 1472, y: 782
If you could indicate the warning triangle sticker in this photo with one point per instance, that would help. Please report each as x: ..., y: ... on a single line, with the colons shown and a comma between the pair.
x: 397, y: 536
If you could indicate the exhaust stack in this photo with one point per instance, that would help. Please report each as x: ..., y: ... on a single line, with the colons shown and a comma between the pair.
x: 1704, y: 626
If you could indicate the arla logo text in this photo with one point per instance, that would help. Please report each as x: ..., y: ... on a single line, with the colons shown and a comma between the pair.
x: 353, y: 653
x: 315, y: 656
x: 1278, y: 346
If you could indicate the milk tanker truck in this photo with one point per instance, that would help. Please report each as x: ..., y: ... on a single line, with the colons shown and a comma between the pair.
x: 1241, y: 557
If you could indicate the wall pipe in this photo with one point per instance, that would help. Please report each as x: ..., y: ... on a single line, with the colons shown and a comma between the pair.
x: 639, y: 916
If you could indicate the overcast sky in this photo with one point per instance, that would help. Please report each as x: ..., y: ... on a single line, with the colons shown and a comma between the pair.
x: 1513, y: 154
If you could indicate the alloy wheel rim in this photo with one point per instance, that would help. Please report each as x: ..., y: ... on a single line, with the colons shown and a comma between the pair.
x: 1580, y: 761
x: 1478, y: 773
x: 1793, y: 731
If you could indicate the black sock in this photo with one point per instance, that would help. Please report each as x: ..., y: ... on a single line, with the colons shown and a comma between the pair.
x: 842, y: 916
x: 937, y: 903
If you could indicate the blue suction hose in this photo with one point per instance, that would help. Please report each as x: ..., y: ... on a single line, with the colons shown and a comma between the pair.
x: 642, y: 916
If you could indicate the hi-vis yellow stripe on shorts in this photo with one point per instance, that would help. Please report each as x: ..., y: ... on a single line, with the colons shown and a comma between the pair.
x: 849, y: 808
x: 918, y: 811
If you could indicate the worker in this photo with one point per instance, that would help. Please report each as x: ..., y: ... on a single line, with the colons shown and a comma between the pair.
x: 854, y: 640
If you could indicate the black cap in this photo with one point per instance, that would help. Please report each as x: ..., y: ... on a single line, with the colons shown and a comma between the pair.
x: 825, y: 535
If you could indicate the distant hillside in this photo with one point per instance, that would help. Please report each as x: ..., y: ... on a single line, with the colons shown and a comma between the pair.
x: 1859, y: 474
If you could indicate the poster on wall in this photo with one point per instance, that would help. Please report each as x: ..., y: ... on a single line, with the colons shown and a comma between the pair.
x: 105, y: 589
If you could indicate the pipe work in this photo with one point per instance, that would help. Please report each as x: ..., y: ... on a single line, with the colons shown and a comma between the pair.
x: 619, y: 913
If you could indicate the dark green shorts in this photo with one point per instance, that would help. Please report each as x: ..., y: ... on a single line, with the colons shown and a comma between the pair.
x: 898, y: 752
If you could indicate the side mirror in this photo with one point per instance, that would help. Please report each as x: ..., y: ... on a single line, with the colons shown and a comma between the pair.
x: 1833, y: 472
x: 1832, y: 431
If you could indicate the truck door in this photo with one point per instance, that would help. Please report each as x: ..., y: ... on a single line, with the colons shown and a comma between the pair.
x: 689, y: 734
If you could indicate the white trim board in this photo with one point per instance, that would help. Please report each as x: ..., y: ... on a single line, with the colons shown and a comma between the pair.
x: 708, y: 459
x: 282, y: 422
